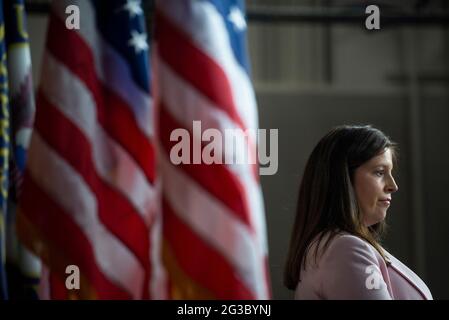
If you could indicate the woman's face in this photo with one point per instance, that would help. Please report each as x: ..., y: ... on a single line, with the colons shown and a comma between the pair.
x: 374, y: 184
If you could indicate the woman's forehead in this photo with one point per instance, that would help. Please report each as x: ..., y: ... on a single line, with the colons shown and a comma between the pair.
x: 383, y: 159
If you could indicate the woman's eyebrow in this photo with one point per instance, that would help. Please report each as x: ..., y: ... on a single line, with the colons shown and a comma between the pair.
x: 383, y: 165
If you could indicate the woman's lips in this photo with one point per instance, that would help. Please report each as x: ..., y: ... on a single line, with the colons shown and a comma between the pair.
x: 385, y: 202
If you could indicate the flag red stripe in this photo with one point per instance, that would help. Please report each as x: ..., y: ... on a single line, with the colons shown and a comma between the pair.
x: 210, y: 80
x: 64, y: 233
x: 113, y: 113
x: 114, y: 210
x: 202, y: 263
x: 58, y: 291
x: 215, y: 179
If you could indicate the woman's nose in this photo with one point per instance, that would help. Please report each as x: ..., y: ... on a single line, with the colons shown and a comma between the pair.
x: 392, y: 186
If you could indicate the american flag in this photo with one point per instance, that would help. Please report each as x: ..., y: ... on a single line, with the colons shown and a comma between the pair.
x: 89, y: 188
x: 214, y: 237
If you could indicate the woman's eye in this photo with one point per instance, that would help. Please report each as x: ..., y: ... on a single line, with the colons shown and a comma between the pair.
x: 379, y: 173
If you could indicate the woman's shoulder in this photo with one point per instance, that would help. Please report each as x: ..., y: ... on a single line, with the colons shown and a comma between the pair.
x: 349, y: 247
x: 345, y: 239
x: 339, y: 239
x: 343, y: 269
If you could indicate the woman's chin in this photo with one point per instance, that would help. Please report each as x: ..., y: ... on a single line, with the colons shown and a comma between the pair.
x: 379, y: 217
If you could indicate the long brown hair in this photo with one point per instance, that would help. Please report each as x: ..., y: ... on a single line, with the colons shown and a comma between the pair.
x: 327, y: 203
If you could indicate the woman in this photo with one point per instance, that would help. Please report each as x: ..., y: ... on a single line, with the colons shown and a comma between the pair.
x: 344, y: 196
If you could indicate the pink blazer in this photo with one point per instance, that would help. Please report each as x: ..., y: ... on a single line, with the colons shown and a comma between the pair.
x: 351, y: 268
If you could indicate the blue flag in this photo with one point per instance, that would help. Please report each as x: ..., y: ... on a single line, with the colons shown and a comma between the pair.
x: 19, y: 268
x: 4, y: 153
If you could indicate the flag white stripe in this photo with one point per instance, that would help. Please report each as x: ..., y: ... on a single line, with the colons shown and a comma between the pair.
x: 111, y: 161
x: 66, y: 187
x: 218, y: 227
x: 175, y: 92
x: 44, y: 283
x: 158, y: 275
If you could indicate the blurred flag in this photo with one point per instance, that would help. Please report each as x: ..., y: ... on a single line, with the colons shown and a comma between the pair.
x: 88, y: 195
x: 23, y: 268
x: 4, y: 153
x: 214, y: 236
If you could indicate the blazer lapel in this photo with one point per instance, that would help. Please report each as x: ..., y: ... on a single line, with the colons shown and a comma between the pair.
x: 410, y: 276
